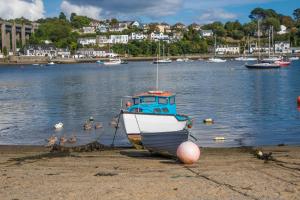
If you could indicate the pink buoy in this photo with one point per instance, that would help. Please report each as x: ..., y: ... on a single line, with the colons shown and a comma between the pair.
x: 188, y: 152
x: 298, y: 101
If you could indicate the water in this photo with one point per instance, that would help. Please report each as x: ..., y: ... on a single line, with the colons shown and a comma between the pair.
x: 250, y: 107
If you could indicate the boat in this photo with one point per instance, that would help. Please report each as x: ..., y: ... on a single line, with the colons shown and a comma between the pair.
x: 246, y: 57
x: 124, y: 62
x: 260, y: 64
x: 283, y: 63
x: 99, y: 62
x: 294, y: 58
x: 271, y: 58
x: 179, y: 60
x: 215, y: 59
x: 162, y: 60
x: 50, y: 63
x: 165, y: 143
x: 152, y: 112
x: 113, y: 61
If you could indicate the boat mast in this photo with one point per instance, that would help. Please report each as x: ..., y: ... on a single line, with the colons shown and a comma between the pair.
x: 273, y: 49
x: 215, y: 46
x: 258, y: 37
x: 158, y: 54
x: 269, y: 42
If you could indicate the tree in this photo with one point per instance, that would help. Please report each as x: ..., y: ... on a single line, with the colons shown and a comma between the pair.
x: 271, y: 22
x: 78, y: 21
x: 62, y: 16
x: 72, y: 17
x: 257, y: 13
x: 287, y: 21
x: 296, y: 14
x: 5, y: 51
x: 114, y: 22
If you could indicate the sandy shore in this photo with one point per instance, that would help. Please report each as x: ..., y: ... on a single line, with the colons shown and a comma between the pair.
x: 231, y: 173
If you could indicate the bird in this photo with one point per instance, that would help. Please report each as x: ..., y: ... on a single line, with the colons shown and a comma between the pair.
x: 52, y: 140
x: 98, y: 125
x: 87, y: 126
x: 62, y: 140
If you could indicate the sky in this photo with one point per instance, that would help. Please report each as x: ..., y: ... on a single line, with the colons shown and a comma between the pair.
x: 145, y: 11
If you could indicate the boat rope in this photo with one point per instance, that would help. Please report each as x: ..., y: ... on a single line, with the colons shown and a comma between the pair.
x: 113, y: 142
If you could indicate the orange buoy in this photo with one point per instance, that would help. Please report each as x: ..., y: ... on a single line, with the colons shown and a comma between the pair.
x: 188, y: 152
x: 298, y: 101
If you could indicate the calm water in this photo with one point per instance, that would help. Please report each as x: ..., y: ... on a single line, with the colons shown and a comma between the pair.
x: 250, y: 107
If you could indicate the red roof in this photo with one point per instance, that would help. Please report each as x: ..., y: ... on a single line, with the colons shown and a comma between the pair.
x: 155, y: 93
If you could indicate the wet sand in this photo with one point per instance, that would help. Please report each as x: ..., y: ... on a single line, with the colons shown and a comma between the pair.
x: 229, y: 173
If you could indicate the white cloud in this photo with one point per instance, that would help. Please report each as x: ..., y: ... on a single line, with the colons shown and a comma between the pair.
x: 216, y: 14
x: 85, y: 10
x: 30, y: 9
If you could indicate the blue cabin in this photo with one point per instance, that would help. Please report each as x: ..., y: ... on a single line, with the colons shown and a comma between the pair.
x: 154, y: 102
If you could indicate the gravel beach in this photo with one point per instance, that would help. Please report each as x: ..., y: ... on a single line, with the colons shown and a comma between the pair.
x: 31, y: 172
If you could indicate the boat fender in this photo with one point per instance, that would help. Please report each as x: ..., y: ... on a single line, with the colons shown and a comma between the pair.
x: 208, y: 121
x: 219, y: 138
x: 128, y: 104
x: 188, y: 152
x: 298, y: 101
x: 189, y: 123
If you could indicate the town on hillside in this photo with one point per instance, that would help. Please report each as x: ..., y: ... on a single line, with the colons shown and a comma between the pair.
x: 82, y: 37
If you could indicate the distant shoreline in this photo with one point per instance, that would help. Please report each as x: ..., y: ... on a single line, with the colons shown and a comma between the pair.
x: 27, y: 60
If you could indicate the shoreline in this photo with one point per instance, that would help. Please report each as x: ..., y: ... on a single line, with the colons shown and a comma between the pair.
x: 32, y: 172
x: 27, y: 60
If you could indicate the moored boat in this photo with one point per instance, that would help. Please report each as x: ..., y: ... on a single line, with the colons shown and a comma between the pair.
x: 294, y: 58
x: 262, y: 66
x: 113, y: 61
x: 162, y: 61
x: 216, y: 60
x: 245, y: 59
x: 152, y: 112
x: 283, y: 63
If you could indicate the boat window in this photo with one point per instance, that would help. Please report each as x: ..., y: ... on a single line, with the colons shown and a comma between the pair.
x: 172, y: 100
x: 157, y: 110
x: 165, y: 110
x: 136, y: 101
x: 162, y: 100
x: 148, y: 100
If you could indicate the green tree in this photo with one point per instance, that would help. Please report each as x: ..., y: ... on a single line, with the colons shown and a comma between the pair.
x: 78, y: 21
x: 5, y: 52
x: 62, y: 16
x: 296, y: 14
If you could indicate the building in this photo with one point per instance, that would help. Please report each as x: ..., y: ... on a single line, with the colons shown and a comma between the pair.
x: 176, y: 36
x: 156, y: 36
x: 282, y: 47
x: 179, y: 26
x: 121, y: 26
x: 283, y: 30
x: 206, y: 33
x: 138, y: 36
x: 163, y: 27
x: 63, y: 53
x: 89, y: 30
x: 103, y: 40
x: 89, y: 53
x: 87, y: 41
x: 40, y: 50
x: 227, y: 50
x: 195, y: 26
x: 119, y: 39
x: 102, y: 28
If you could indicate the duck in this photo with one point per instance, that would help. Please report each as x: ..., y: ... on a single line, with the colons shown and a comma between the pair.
x: 98, y: 125
x: 52, y: 140
x: 59, y: 125
x: 87, y: 126
x: 72, y: 139
x: 114, y: 123
x: 62, y: 140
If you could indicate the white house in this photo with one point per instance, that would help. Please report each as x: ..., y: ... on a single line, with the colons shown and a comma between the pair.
x: 119, y: 39
x: 87, y: 41
x: 227, y: 50
x: 103, y: 40
x: 63, y: 53
x: 206, y: 33
x: 135, y: 23
x: 40, y: 50
x: 102, y: 28
x: 282, y: 47
x: 138, y: 36
x: 283, y: 30
x: 118, y: 27
x: 89, y: 29
x: 90, y: 53
x: 158, y: 36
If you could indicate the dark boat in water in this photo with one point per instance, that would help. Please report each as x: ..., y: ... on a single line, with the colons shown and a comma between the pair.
x: 165, y: 143
x: 262, y: 66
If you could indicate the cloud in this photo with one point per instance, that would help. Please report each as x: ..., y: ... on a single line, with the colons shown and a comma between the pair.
x: 128, y: 8
x: 30, y: 9
x: 216, y: 14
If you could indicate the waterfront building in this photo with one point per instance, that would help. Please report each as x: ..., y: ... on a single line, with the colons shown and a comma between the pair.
x: 87, y: 41
x: 227, y: 50
x: 156, y: 36
x: 40, y: 50
x: 119, y: 39
x: 102, y: 40
x: 90, y: 53
x: 63, y: 53
x: 282, y: 47
x: 206, y: 33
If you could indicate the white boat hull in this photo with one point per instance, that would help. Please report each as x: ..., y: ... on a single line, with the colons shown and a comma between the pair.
x: 216, y: 60
x: 135, y: 123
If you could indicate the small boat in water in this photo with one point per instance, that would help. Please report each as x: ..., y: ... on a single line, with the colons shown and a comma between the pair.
x: 99, y: 62
x: 165, y: 143
x: 283, y: 63
x: 216, y: 60
x: 50, y: 63
x: 113, y: 61
x: 262, y: 66
x: 124, y: 62
x: 152, y: 112
x: 245, y: 59
x: 162, y: 61
x: 294, y: 58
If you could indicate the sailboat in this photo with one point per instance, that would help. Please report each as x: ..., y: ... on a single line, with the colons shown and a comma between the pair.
x: 259, y: 64
x: 215, y: 59
x: 271, y: 58
x: 163, y: 60
x: 244, y: 57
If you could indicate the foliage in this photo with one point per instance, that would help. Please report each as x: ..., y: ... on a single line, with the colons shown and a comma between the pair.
x: 5, y: 51
x: 78, y: 21
x: 62, y: 16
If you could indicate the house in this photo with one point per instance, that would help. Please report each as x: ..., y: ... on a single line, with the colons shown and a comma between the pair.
x: 63, y: 53
x: 40, y: 50
x: 158, y: 36
x: 227, y: 50
x: 95, y: 23
x: 90, y: 53
x: 163, y: 27
x: 121, y: 26
x: 283, y: 30
x: 86, y: 41
x: 102, y: 28
x: 176, y: 36
x: 179, y: 26
x: 195, y: 26
x: 138, y: 36
x: 146, y: 28
x: 89, y: 30
x: 102, y: 40
x: 282, y: 47
x: 206, y: 33
x: 119, y: 39
x: 135, y: 24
